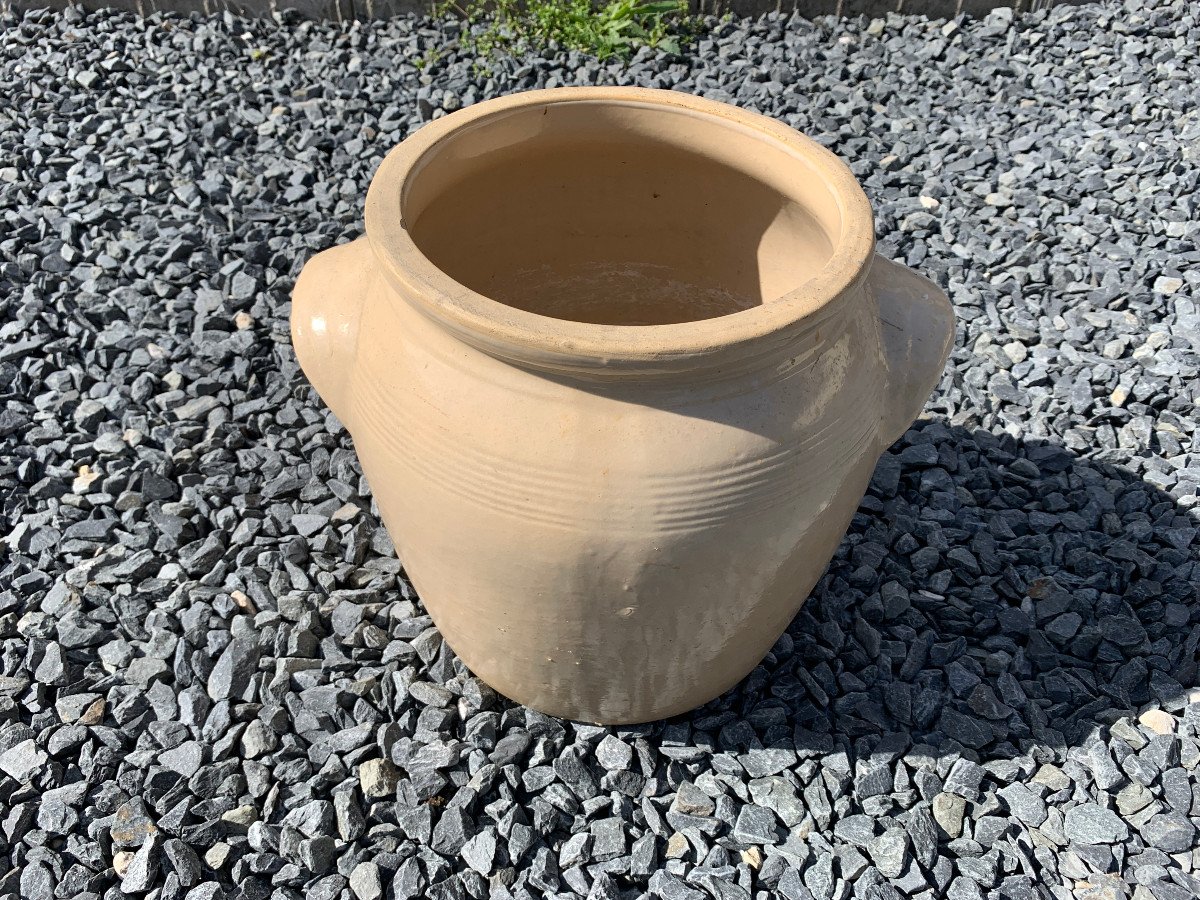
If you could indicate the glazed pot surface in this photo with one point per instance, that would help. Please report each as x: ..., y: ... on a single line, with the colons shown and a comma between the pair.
x: 618, y: 365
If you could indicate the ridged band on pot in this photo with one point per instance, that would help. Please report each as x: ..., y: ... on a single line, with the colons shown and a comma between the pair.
x: 614, y: 522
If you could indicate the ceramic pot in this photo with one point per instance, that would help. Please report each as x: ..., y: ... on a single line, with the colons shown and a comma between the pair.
x: 618, y: 365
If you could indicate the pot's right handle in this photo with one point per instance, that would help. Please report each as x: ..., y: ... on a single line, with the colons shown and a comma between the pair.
x: 327, y: 305
x: 917, y: 328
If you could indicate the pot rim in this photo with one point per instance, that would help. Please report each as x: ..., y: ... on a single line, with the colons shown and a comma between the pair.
x: 543, y: 342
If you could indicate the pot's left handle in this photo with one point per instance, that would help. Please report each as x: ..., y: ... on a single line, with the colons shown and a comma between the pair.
x: 327, y: 304
x: 916, y: 323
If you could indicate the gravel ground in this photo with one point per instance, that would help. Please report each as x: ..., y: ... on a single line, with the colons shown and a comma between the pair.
x: 215, y: 682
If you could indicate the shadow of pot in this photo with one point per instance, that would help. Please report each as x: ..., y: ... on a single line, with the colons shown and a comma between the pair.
x: 1019, y: 612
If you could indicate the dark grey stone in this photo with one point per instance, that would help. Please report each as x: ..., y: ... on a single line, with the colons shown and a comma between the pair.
x: 183, y: 861
x: 452, y: 830
x: 1024, y: 804
x: 574, y: 773
x: 234, y: 668
x: 614, y: 754
x: 669, y: 887
x: 922, y: 831
x: 1088, y: 823
x: 22, y: 761
x: 889, y: 852
x: 756, y: 825
x: 480, y: 851
x: 186, y: 759
x: 858, y: 830
x: 691, y: 801
x: 351, y: 823
x: 143, y: 868
x: 317, y: 854
x: 1169, y: 832
x: 365, y: 882
x: 964, y: 779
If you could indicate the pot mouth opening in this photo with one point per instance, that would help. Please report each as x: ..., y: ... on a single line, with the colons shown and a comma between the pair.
x: 618, y: 229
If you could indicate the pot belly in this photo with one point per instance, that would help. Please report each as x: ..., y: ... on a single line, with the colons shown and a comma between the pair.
x: 597, y: 558
x: 564, y: 613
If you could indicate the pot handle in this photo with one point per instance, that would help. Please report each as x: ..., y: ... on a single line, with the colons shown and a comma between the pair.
x: 327, y: 304
x: 917, y: 330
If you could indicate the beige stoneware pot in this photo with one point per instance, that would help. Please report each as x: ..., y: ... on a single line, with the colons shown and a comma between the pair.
x: 618, y: 364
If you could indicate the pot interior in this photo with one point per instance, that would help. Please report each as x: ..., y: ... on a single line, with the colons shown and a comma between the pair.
x: 620, y: 213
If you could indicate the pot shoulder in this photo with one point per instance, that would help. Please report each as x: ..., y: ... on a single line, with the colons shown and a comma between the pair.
x: 634, y: 455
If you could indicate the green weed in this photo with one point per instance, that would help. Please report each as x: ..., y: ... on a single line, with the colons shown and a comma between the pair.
x: 604, y: 29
